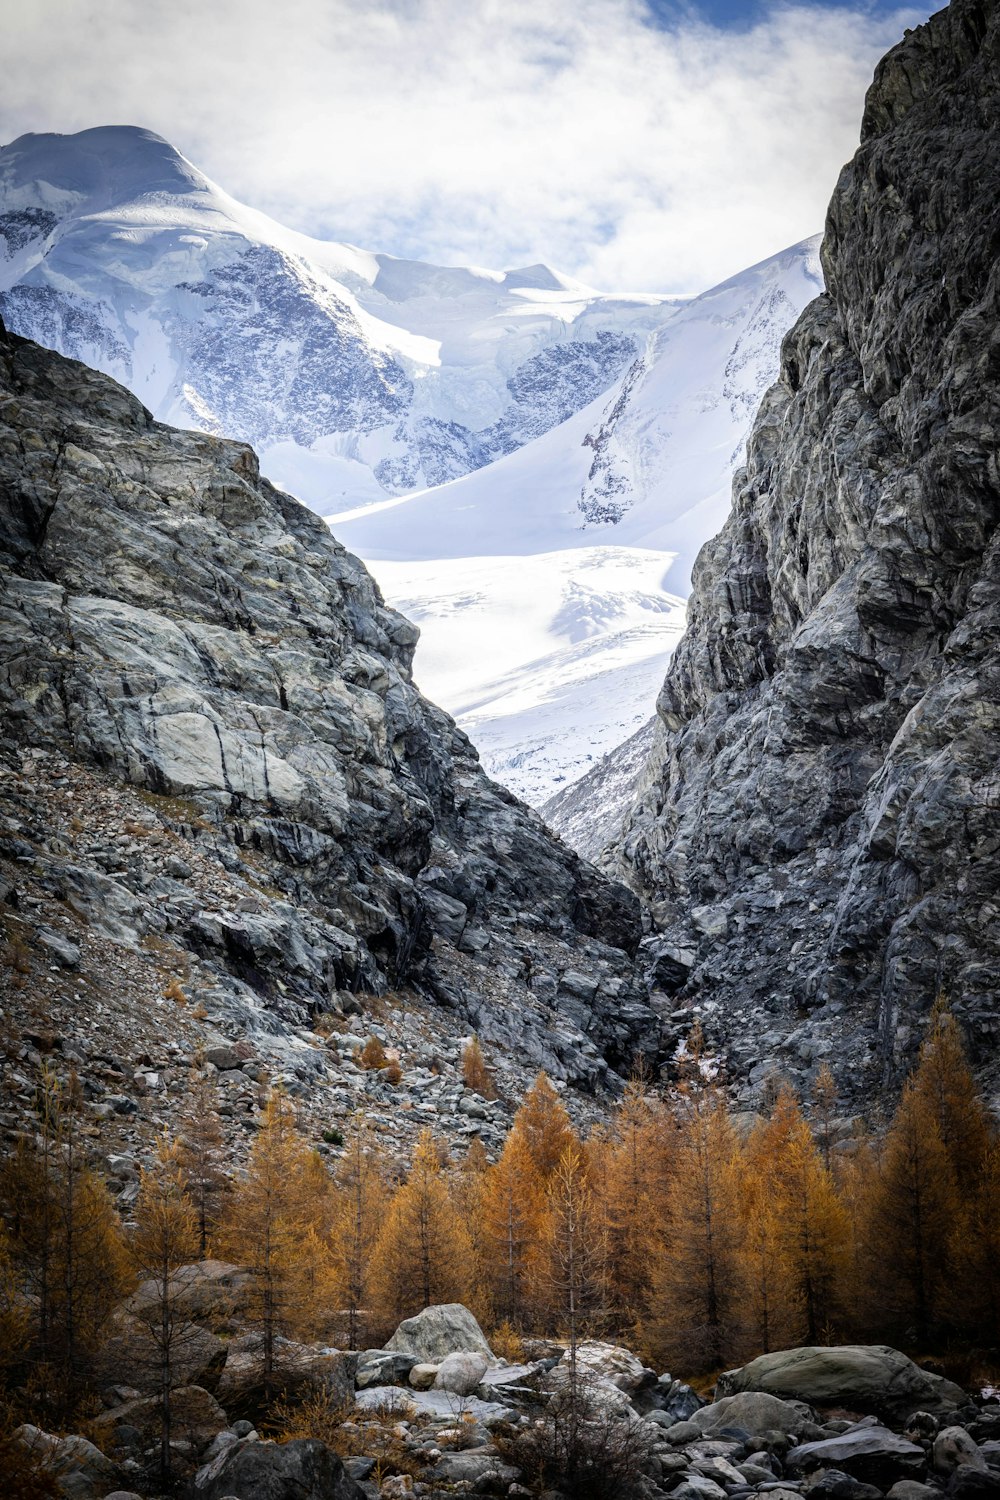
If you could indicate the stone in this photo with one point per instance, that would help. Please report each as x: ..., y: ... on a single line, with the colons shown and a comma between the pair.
x: 833, y: 1484
x: 382, y: 1367
x: 912, y: 1489
x: 304, y: 1469
x: 423, y: 1375
x: 754, y: 1412
x: 461, y: 1373
x: 446, y: 1328
x: 224, y: 1058
x: 131, y: 1354
x: 867, y: 1452
x: 612, y: 1362
x: 80, y: 1470
x: 863, y: 1377
x: 953, y: 1446
x: 195, y: 1418
x: 969, y: 1483
x: 59, y: 948
x: 473, y: 1467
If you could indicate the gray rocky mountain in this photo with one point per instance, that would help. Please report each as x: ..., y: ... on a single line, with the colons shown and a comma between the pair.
x: 172, y: 625
x: 818, y: 833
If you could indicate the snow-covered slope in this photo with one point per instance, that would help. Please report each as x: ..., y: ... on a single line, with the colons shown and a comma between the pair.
x: 550, y: 585
x: 528, y: 465
x: 353, y: 374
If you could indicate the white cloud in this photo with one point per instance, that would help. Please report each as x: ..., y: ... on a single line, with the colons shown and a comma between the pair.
x: 569, y: 131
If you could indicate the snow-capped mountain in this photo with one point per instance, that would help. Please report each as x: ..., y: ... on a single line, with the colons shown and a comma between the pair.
x: 353, y: 374
x: 567, y: 563
x: 528, y: 465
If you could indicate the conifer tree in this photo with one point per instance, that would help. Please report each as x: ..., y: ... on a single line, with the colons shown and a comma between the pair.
x: 475, y: 1074
x: 824, y: 1108
x: 201, y: 1157
x: 510, y: 1226
x: 65, y: 1239
x: 165, y: 1237
x: 358, y: 1211
x: 944, y: 1081
x: 544, y: 1125
x: 910, y: 1212
x: 813, y: 1225
x: 423, y: 1254
x: 974, y: 1253
x: 266, y: 1229
x: 695, y: 1298
x: 575, y: 1254
x: 631, y: 1174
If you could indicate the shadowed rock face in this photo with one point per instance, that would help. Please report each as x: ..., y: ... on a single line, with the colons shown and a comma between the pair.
x: 171, y: 618
x: 819, y: 824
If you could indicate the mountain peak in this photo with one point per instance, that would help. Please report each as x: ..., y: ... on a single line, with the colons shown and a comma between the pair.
x: 104, y: 166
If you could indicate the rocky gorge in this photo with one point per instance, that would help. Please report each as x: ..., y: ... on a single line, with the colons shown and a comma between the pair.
x: 816, y: 828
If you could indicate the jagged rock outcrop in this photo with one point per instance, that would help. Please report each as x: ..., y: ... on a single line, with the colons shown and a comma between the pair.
x: 819, y: 828
x: 170, y: 618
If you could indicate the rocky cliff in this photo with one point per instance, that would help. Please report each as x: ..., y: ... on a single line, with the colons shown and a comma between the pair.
x: 818, y: 830
x: 214, y: 757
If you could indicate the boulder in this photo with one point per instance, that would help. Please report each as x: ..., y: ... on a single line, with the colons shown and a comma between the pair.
x: 476, y: 1466
x: 912, y: 1489
x: 131, y: 1355
x: 241, y: 1385
x: 754, y: 1412
x: 863, y: 1377
x: 613, y: 1363
x: 967, y: 1483
x: 834, y: 1484
x: 207, y: 1291
x: 953, y: 1446
x: 81, y: 1471
x: 460, y: 1373
x: 867, y: 1451
x: 195, y: 1418
x: 423, y: 1375
x: 304, y: 1469
x: 438, y: 1331
x: 383, y: 1367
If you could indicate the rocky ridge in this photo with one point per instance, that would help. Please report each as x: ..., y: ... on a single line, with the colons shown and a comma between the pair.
x: 817, y: 829
x: 216, y: 767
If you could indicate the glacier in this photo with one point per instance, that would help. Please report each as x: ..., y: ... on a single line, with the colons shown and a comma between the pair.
x: 527, y: 465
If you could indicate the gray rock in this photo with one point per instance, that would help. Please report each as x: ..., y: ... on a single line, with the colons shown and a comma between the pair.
x: 79, y: 1469
x: 304, y: 1469
x: 823, y: 769
x: 473, y: 1467
x: 954, y: 1446
x: 173, y: 620
x: 755, y: 1412
x: 382, y: 1367
x: 863, y: 1377
x: 867, y: 1452
x: 446, y: 1328
x: 460, y: 1373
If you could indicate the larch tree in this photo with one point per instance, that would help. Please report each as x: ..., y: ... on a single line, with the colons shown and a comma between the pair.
x: 358, y: 1211
x: 423, y: 1254
x: 201, y: 1156
x: 911, y: 1208
x: 974, y: 1288
x: 764, y: 1263
x: 266, y: 1230
x: 944, y: 1081
x: 631, y: 1174
x: 824, y: 1110
x: 164, y: 1238
x: 545, y: 1127
x: 65, y: 1238
x: 695, y: 1298
x: 510, y: 1228
x: 575, y: 1248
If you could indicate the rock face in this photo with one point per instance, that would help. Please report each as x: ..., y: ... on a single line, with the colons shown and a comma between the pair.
x: 172, y: 619
x: 444, y: 1329
x: 817, y: 831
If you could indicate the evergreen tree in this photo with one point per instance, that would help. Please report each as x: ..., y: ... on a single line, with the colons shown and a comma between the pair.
x: 423, y: 1254
x: 695, y: 1301
x: 911, y: 1208
x: 358, y: 1212
x: 510, y: 1226
x: 545, y: 1127
x: 201, y: 1157
x: 266, y: 1229
x: 165, y: 1237
x: 631, y: 1173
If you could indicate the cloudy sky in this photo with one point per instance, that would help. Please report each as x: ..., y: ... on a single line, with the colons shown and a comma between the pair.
x: 634, y: 143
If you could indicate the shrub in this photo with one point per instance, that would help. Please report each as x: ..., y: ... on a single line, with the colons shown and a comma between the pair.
x: 475, y: 1074
x: 333, y: 1137
x: 373, y: 1054
x: 583, y: 1447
